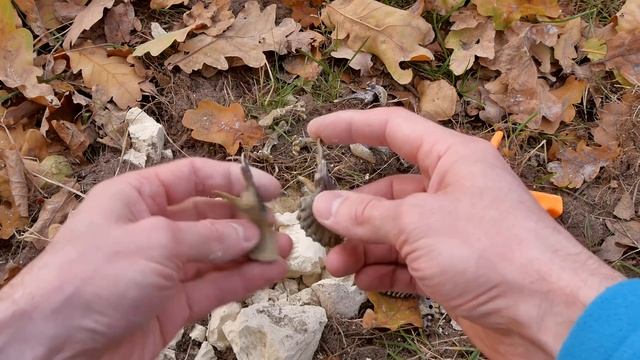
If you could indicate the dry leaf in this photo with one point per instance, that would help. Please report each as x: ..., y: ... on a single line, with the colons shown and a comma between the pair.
x: 76, y: 139
x: 227, y: 126
x: 35, y: 145
x: 565, y: 49
x: 569, y: 94
x: 85, y: 20
x: 212, y: 20
x: 253, y: 33
x: 391, y: 313
x: 297, y: 108
x: 595, y: 48
x: 610, y: 116
x: 305, y: 40
x: 30, y: 9
x: 623, y: 55
x: 625, y: 235
x: 304, y: 12
x: 17, y: 181
x: 53, y: 211
x: 358, y: 61
x: 470, y: 37
x: 164, y: 4
x: 506, y: 12
x: 393, y: 35
x: 16, y: 57
x: 628, y: 18
x: 159, y: 44
x: 438, y: 99
x: 118, y: 23
x: 580, y: 165
x: 112, y: 123
x: 442, y: 7
x: 301, y: 65
x: 10, y: 221
x: 362, y: 152
x: 118, y: 78
x: 625, y: 208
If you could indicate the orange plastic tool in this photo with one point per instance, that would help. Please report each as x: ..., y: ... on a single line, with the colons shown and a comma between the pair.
x: 551, y: 203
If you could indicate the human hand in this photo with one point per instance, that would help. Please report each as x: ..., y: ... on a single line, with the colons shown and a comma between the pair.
x: 465, y: 231
x: 144, y: 254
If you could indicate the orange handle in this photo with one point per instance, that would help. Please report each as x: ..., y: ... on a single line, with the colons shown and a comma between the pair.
x: 553, y: 204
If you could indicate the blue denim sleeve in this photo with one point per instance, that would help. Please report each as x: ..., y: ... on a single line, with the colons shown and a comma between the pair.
x: 609, y: 328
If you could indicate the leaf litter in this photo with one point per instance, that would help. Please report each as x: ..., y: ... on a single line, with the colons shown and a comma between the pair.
x: 562, y: 85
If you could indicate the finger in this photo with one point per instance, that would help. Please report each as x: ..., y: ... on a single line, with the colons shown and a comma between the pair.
x: 355, y: 216
x: 195, y: 270
x: 153, y: 189
x: 212, y: 241
x: 200, y: 208
x: 349, y: 257
x: 418, y: 140
x: 395, y: 187
x: 386, y: 278
x: 220, y: 287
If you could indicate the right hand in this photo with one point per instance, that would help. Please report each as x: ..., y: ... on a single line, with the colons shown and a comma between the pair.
x: 465, y: 231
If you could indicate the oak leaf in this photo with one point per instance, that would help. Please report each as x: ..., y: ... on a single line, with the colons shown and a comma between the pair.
x: 252, y: 33
x: 156, y: 46
x: 227, y: 126
x: 624, y: 55
x: 625, y: 208
x: 612, y: 117
x: 565, y: 49
x: 357, y: 60
x: 164, y: 4
x: 304, y: 12
x: 470, y: 36
x: 119, y: 22
x: 580, y: 165
x: 10, y: 221
x: 32, y: 12
x: 391, y: 313
x: 212, y: 20
x: 113, y: 74
x: 391, y: 34
x: 77, y: 139
x: 506, y: 12
x: 305, y: 66
x: 85, y: 20
x: 595, y: 48
x: 628, y: 18
x: 17, y: 181
x: 438, y: 99
x: 53, y: 211
x: 16, y: 57
x: 626, y: 235
x: 569, y: 94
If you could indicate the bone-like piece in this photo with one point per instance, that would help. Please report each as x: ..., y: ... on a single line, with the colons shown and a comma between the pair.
x: 250, y: 204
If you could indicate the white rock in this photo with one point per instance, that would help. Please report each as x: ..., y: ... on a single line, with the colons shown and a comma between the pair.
x: 206, y: 352
x: 286, y: 219
x: 219, y: 317
x: 455, y: 325
x: 167, y: 354
x: 198, y: 333
x: 135, y: 158
x: 311, y: 279
x: 264, y: 295
x: 287, y: 286
x: 167, y: 154
x: 339, y: 298
x: 147, y: 136
x: 307, y: 256
x: 276, y: 332
x: 304, y: 297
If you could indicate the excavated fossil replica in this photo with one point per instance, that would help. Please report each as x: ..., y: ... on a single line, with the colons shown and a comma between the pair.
x: 322, y: 181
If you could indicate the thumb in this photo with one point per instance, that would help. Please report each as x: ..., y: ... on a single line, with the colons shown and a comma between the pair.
x: 356, y: 216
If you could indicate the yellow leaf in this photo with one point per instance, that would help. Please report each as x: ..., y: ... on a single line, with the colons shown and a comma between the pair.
x: 438, y: 99
x: 85, y: 19
x: 227, y: 126
x: 595, y: 48
x: 391, y: 313
x: 469, y: 41
x: 164, y: 4
x: 505, y: 12
x: 162, y: 42
x: 393, y: 35
x: 117, y: 78
x: 253, y: 33
x: 16, y: 57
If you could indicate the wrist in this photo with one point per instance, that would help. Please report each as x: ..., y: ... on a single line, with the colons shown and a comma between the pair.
x: 561, y: 295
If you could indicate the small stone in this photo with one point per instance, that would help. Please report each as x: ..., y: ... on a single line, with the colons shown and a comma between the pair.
x: 287, y: 287
x: 426, y: 307
x: 219, y: 317
x: 147, y: 135
x: 304, y: 297
x: 135, y: 158
x: 174, y: 341
x: 167, y: 154
x: 167, y: 354
x: 339, y: 298
x: 455, y: 325
x: 311, y: 279
x: 307, y: 256
x: 283, y: 332
x: 206, y: 352
x: 263, y: 296
x: 198, y: 333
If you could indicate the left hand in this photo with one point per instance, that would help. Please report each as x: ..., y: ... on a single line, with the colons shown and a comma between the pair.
x: 144, y: 254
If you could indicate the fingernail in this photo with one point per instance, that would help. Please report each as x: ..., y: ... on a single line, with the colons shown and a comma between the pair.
x: 326, y: 203
x: 249, y: 237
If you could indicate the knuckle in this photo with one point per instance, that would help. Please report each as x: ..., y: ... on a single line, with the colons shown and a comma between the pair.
x: 364, y: 210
